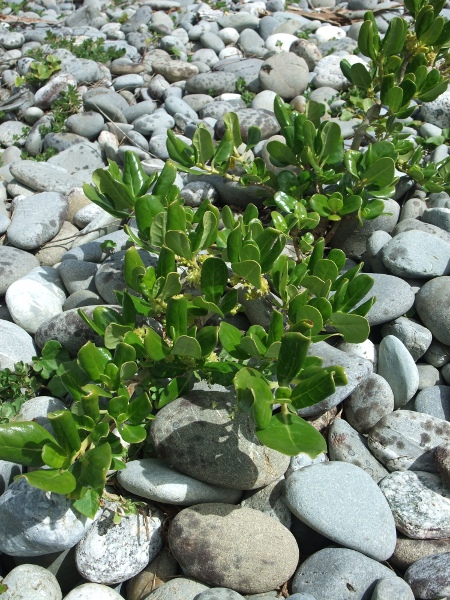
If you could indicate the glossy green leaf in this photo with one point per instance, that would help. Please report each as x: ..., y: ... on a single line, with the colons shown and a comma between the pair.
x: 290, y: 434
x: 22, y: 442
x: 382, y: 172
x: 358, y: 287
x: 132, y: 434
x: 116, y: 191
x: 133, y: 174
x: 65, y: 430
x: 253, y: 137
x: 179, y: 151
x: 134, y: 269
x: 230, y: 338
x: 249, y: 270
x: 155, y: 346
x: 325, y: 269
x: 177, y: 387
x: 179, y: 242
x: 54, y: 456
x: 228, y: 301
x: 282, y: 114
x: 185, y: 345
x: 205, y: 307
x: 93, y: 360
x: 314, y: 389
x: 231, y: 122
x: 165, y: 179
x: 52, y: 481
x: 207, y: 337
x: 224, y: 149
x: 89, y: 504
x: 395, y: 37
x: 202, y: 142
x: 293, y: 351
x: 94, y: 466
x: 311, y: 314
x: 139, y: 409
x: 354, y: 328
x: 280, y: 154
x: 214, y: 279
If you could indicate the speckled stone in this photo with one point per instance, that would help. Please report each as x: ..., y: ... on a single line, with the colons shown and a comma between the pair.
x: 270, y: 501
x: 110, y: 553
x: 406, y: 439
x: 323, y: 495
x: 190, y: 433
x: 442, y: 461
x: 347, y: 445
x: 432, y: 310
x: 226, y: 546
x: 434, y: 401
x: 179, y: 588
x: 417, y: 254
x: 429, y: 577
x: 161, y: 569
x: 87, y: 591
x: 419, y: 502
x: 371, y: 400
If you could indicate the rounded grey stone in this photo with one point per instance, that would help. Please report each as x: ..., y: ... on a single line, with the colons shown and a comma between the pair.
x: 437, y: 354
x: 387, y: 589
x: 415, y: 337
x: 153, y: 478
x: 322, y: 496
x: 429, y: 376
x: 397, y: 367
x: 14, y: 264
x: 353, y: 575
x: 417, y: 254
x: 87, y: 591
x: 270, y: 501
x: 81, y: 298
x: 219, y: 108
x: 36, y: 409
x: 437, y: 112
x: 371, y: 400
x: 176, y: 105
x: 8, y: 470
x: 219, y: 593
x: 433, y: 309
x: 352, y: 238
x: 69, y: 329
x: 356, y: 369
x: 347, y: 445
x: 88, y: 124
x: 37, y: 219
x: 78, y: 275
x: 177, y: 438
x: 226, y: 546
x: 31, y: 582
x: 34, y: 522
x: 418, y: 225
x: 179, y: 588
x: 286, y: 73
x: 408, y: 551
x: 110, y: 553
x: 16, y: 345
x: 214, y: 84
x: 429, y: 577
x: 146, y: 124
x: 434, y: 401
x: 109, y: 275
x: 420, y: 503
x: 406, y: 439
x: 239, y: 21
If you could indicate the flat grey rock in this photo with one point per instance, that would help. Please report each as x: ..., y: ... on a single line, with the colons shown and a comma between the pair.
x: 44, y: 177
x: 226, y: 546
x: 416, y: 225
x: 153, y: 478
x: 190, y: 434
x: 323, y: 495
x: 214, y: 83
x: 356, y: 368
x: 369, y: 402
x: 33, y: 522
x: 417, y: 254
x: 397, y: 367
x: 110, y: 553
x: 406, y: 439
x: 408, y: 551
x: 429, y: 577
x: 270, y: 500
x: 347, y: 445
x: 37, y: 219
x: 8, y: 470
x: 354, y: 575
x: 179, y: 588
x: 420, y: 503
x: 219, y: 593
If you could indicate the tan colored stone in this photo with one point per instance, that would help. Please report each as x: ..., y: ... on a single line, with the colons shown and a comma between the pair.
x: 160, y: 570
